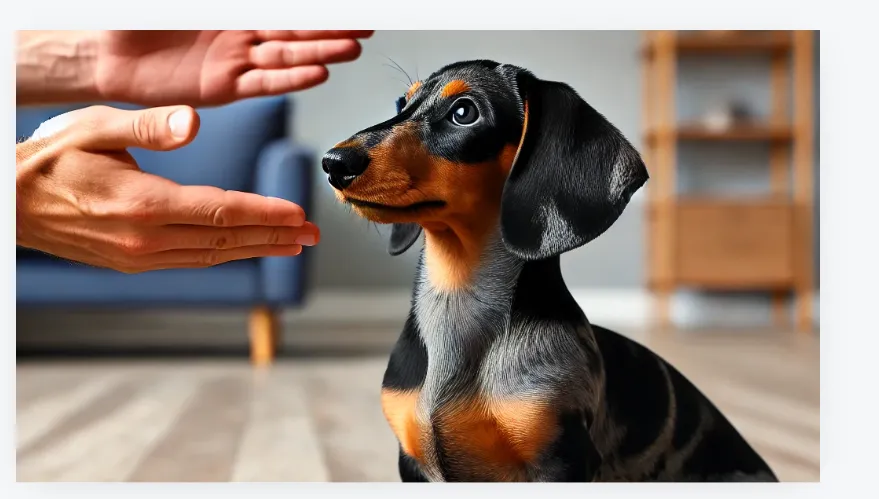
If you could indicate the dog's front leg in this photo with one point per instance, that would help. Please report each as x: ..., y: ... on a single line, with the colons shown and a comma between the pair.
x: 574, y: 457
x: 409, y: 471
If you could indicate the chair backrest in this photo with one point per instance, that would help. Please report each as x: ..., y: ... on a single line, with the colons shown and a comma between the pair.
x: 224, y: 153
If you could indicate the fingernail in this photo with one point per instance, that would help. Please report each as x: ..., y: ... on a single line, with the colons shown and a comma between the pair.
x: 180, y: 123
x: 306, y: 240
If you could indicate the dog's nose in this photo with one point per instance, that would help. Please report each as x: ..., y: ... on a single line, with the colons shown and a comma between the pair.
x: 344, y: 165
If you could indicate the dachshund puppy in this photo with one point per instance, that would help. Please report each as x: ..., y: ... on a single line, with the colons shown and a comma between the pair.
x: 498, y: 375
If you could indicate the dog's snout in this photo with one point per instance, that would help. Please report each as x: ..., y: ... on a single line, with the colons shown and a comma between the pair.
x: 344, y: 165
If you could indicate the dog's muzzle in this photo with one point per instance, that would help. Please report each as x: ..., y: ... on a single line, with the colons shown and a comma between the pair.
x: 344, y: 165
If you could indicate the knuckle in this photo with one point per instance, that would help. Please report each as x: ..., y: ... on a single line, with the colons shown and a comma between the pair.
x: 140, y: 128
x: 220, y: 216
x: 91, y: 119
x: 100, y: 209
x: 265, y: 217
x: 142, y: 209
x: 144, y: 128
x: 96, y: 112
x: 223, y: 241
x: 274, y: 237
x: 135, y: 246
x: 138, y: 210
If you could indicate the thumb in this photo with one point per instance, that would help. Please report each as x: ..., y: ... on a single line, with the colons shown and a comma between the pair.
x: 156, y: 129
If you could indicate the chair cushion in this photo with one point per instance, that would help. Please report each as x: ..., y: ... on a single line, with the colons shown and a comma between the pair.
x: 53, y: 281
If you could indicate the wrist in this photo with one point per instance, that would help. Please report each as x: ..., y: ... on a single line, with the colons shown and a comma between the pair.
x: 55, y: 67
x: 23, y: 174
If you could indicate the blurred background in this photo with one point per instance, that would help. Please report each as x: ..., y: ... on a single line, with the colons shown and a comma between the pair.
x: 270, y: 370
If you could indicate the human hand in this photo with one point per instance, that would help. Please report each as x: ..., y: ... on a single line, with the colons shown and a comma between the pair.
x: 81, y: 196
x: 198, y: 68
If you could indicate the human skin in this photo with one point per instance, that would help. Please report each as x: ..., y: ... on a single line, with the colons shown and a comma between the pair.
x: 79, y: 193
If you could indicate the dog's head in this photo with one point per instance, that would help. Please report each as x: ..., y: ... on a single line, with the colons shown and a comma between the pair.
x: 483, y: 142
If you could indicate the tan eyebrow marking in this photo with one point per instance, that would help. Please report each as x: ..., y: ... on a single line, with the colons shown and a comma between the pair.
x: 454, y: 87
x: 415, y: 86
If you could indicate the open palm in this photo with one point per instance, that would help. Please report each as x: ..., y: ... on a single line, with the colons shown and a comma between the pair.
x: 198, y: 68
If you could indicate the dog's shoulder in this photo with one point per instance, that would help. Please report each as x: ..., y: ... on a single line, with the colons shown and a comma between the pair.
x: 636, y: 377
x: 623, y: 353
x: 407, y: 363
x: 627, y: 358
x: 649, y: 396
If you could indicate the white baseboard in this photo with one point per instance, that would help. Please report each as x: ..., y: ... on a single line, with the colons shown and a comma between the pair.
x: 354, y: 319
x: 617, y: 307
x: 361, y: 306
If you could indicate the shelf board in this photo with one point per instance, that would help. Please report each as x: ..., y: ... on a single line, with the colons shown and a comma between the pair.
x: 739, y: 133
x: 743, y: 42
x: 722, y: 284
x: 723, y: 201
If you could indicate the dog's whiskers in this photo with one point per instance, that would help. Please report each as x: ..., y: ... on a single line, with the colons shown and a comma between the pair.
x: 400, y: 69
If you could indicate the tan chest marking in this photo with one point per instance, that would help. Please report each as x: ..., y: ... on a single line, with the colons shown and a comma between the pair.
x: 501, y: 433
x: 400, y: 409
x: 496, y: 438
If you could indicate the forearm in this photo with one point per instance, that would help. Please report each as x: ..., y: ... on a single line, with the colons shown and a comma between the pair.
x: 27, y: 167
x: 55, y: 66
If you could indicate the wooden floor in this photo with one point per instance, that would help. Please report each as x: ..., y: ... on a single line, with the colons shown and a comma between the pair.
x: 320, y: 420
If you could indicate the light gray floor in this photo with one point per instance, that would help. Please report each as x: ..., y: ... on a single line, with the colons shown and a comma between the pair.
x: 320, y: 420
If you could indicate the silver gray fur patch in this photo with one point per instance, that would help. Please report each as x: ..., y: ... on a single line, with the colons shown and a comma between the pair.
x: 556, y: 226
x: 477, y: 345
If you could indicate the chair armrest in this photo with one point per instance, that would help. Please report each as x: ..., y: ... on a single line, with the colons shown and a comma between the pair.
x: 285, y: 170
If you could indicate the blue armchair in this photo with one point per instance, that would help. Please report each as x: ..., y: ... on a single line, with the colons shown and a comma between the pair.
x: 243, y: 146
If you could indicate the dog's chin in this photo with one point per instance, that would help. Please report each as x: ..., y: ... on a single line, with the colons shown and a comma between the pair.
x: 389, y: 214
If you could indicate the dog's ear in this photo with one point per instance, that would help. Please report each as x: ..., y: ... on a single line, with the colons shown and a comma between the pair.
x: 403, y: 236
x: 573, y: 175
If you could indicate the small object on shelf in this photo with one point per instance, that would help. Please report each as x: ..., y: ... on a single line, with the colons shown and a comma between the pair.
x: 727, y: 114
x: 718, y: 118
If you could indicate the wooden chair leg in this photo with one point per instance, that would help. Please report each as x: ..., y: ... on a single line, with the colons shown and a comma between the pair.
x: 805, y: 299
x: 780, y: 311
x: 263, y: 336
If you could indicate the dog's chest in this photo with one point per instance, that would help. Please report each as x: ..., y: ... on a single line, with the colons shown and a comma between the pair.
x: 478, y: 415
x: 472, y: 438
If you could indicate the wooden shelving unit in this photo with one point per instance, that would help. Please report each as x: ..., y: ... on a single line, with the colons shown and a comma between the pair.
x: 721, y: 244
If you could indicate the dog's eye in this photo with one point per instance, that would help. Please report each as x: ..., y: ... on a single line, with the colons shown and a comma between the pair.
x: 464, y: 113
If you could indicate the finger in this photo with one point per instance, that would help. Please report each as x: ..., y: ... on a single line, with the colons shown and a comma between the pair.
x: 203, y: 205
x: 157, y: 129
x: 299, y: 35
x: 197, y: 258
x: 278, y: 54
x: 259, y: 82
x: 172, y: 237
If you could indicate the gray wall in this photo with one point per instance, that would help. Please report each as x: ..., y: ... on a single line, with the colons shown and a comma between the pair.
x: 603, y: 66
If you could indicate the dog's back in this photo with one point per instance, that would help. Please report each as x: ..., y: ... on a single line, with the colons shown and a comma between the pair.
x: 497, y: 375
x: 657, y: 426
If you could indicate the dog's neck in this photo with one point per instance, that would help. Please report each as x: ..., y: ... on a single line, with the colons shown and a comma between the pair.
x: 455, y: 251
x: 468, y: 280
x: 460, y: 326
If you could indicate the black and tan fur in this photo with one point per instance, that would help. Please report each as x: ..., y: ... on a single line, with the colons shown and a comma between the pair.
x: 498, y: 375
